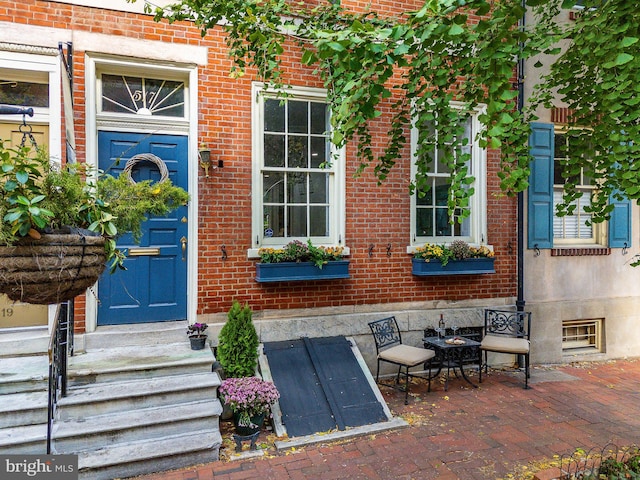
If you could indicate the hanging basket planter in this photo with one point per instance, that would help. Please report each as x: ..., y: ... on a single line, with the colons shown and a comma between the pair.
x: 52, y: 269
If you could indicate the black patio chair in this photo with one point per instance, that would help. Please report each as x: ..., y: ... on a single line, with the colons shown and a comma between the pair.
x: 389, y: 348
x: 506, y: 331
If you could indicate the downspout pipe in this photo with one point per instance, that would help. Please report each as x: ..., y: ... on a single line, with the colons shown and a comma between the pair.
x: 520, y: 302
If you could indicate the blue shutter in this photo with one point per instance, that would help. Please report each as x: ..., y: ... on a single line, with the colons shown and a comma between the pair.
x: 540, y: 194
x: 620, y: 223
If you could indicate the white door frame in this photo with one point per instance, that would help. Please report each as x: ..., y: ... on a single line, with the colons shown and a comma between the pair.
x: 93, y: 64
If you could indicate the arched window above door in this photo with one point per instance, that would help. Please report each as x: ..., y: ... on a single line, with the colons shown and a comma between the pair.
x: 142, y: 96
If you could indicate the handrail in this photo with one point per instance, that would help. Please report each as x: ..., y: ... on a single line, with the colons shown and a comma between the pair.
x: 60, y: 348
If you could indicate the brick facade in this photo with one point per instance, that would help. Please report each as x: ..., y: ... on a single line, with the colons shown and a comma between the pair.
x: 376, y: 216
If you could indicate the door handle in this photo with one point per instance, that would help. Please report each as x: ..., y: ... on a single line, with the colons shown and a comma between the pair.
x: 183, y: 241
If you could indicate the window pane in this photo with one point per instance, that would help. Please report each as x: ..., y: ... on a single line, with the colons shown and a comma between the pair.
x: 273, y: 187
x: 274, y: 150
x: 273, y: 116
x: 319, y: 188
x: 24, y: 94
x: 297, y: 188
x: 319, y: 221
x: 319, y: 151
x: 298, y: 117
x: 441, y: 191
x: 319, y: 118
x: 297, y: 221
x: 274, y: 221
x: 297, y: 152
x: 424, y: 222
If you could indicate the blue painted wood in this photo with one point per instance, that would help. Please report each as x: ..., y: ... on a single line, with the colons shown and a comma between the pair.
x: 620, y: 223
x: 153, y: 288
x: 322, y: 386
x: 540, y: 193
x: 470, y: 266
x: 301, y: 271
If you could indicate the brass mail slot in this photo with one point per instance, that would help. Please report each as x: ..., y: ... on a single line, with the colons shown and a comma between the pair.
x: 150, y: 251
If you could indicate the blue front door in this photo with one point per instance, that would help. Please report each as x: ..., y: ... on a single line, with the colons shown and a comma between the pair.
x: 154, y: 286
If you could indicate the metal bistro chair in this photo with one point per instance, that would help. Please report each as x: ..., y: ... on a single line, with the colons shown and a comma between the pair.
x: 506, y: 331
x: 389, y: 348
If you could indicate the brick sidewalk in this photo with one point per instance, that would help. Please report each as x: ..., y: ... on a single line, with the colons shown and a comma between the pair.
x: 465, y: 433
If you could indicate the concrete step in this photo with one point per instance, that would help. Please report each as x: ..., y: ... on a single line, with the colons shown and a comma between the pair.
x: 26, y: 439
x: 116, y: 336
x: 27, y: 341
x: 102, y: 398
x: 27, y: 373
x: 26, y: 408
x: 123, y: 363
x: 95, y: 432
x: 149, y: 456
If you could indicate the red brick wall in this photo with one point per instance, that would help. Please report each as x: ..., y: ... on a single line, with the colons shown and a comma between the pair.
x: 375, y: 215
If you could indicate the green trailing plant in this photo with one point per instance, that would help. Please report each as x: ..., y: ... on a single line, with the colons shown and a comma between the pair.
x: 238, y: 342
x: 38, y: 197
x: 453, y: 50
x: 296, y: 251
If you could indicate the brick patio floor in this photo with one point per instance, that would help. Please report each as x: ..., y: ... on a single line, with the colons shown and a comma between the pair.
x: 487, y: 433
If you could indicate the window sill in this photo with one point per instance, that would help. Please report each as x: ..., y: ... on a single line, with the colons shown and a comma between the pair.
x: 579, y: 251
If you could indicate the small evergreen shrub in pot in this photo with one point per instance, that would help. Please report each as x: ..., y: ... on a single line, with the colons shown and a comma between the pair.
x: 238, y: 342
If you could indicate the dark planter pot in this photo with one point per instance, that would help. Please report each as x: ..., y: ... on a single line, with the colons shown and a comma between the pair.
x: 198, y: 343
x: 301, y: 271
x: 470, y: 266
x: 245, y: 430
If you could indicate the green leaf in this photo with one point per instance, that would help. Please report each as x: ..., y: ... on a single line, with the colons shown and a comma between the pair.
x: 628, y: 41
x: 456, y: 30
x: 22, y: 177
x: 623, y: 58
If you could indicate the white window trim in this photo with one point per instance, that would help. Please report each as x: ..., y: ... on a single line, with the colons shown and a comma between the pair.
x: 338, y: 196
x: 477, y: 203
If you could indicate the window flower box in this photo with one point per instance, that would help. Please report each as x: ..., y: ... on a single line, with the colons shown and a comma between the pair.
x: 298, y: 261
x: 301, y: 271
x: 469, y: 266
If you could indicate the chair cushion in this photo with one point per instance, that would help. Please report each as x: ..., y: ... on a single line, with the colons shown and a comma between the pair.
x: 504, y: 344
x: 407, y: 355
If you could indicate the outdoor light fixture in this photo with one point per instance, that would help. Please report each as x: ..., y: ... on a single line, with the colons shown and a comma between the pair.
x: 204, y: 157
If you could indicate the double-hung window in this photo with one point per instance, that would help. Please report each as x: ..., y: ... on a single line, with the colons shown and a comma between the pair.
x: 548, y: 230
x: 298, y: 182
x: 575, y: 227
x: 430, y: 219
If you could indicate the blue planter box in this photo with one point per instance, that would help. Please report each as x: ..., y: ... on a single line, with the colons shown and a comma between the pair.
x: 300, y: 271
x: 470, y: 266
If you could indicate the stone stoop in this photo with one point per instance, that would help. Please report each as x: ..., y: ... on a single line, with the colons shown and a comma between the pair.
x: 139, y: 401
x: 24, y: 380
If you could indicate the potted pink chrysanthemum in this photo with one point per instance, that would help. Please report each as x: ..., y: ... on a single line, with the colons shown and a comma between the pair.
x: 249, y: 398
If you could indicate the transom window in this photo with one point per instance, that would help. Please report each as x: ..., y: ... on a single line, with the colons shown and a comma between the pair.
x: 577, y: 227
x: 431, y: 220
x: 28, y: 94
x: 142, y: 95
x: 299, y: 195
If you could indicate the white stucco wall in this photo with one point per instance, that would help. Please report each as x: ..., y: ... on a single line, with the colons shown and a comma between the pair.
x: 565, y: 288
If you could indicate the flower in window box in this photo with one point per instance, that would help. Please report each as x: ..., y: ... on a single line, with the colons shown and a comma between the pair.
x: 296, y: 251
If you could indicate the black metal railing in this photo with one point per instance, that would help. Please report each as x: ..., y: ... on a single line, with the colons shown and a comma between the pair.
x: 60, y: 348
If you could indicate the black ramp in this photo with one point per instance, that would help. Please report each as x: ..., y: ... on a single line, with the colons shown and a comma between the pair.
x: 322, y: 386
x: 303, y: 403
